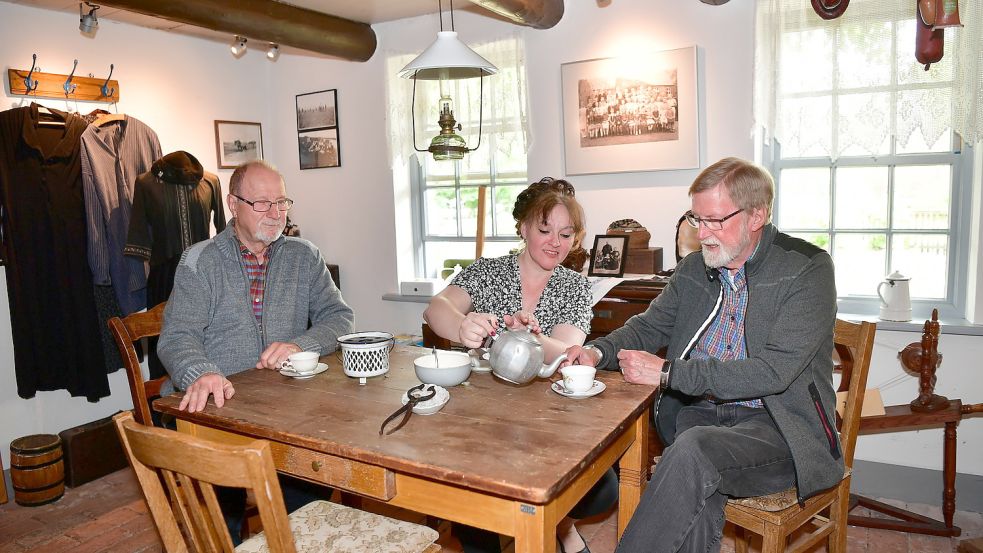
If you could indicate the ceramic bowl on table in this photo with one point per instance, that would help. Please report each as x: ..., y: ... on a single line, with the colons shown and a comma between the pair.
x: 447, y: 368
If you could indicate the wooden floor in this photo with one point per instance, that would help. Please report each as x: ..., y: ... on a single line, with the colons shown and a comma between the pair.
x: 109, y: 515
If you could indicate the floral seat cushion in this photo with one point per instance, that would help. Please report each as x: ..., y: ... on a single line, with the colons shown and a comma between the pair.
x: 325, y: 526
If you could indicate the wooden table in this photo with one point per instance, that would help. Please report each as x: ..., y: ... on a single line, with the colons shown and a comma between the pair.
x: 509, y: 459
x: 901, y: 417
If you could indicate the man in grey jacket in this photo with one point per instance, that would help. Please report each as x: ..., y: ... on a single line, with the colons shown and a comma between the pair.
x: 746, y: 401
x: 249, y: 297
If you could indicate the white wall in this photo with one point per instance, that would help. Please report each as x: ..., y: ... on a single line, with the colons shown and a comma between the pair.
x: 349, y: 211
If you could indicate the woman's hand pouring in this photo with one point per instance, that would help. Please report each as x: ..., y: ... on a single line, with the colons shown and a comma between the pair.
x: 475, y: 327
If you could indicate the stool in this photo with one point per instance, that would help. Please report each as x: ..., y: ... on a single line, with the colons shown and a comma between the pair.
x: 37, y: 469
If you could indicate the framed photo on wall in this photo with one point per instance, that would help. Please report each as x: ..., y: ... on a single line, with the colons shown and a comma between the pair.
x: 237, y: 142
x: 317, y: 129
x: 631, y: 114
x: 609, y: 256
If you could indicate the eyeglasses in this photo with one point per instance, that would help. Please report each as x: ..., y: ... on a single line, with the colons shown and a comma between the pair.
x: 262, y: 206
x: 709, y: 223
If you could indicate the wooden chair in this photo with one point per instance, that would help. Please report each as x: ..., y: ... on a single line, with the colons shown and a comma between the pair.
x: 188, y: 513
x: 126, y: 331
x: 775, y: 517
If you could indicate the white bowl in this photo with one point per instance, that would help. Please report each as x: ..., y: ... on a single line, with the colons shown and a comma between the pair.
x: 449, y: 369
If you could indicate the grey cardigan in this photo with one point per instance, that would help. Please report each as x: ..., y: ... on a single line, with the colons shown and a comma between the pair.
x: 209, y: 324
x: 789, y: 333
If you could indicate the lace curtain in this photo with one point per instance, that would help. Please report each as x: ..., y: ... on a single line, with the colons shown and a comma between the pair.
x: 505, y: 106
x: 851, y: 85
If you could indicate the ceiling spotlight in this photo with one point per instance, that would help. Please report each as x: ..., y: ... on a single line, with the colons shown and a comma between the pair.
x: 273, y: 52
x: 88, y: 23
x: 238, y: 46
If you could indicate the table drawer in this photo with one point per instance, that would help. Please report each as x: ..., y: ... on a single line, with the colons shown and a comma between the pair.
x: 368, y: 480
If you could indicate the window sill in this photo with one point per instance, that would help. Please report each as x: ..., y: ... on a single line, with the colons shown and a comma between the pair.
x: 948, y: 326
x: 406, y: 298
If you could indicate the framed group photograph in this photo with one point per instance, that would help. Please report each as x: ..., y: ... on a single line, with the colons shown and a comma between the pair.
x: 631, y: 114
x: 609, y: 255
x: 317, y: 129
x: 237, y: 142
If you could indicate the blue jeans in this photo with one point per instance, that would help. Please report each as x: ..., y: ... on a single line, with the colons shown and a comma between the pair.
x: 720, y: 451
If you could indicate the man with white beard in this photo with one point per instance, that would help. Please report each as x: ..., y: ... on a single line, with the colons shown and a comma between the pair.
x: 746, y: 403
x: 244, y: 298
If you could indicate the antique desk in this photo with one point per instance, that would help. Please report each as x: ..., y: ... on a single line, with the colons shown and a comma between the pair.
x: 625, y: 300
x: 509, y: 459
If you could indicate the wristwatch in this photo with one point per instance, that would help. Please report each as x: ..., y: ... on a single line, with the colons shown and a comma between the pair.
x: 597, y: 350
x: 664, y: 375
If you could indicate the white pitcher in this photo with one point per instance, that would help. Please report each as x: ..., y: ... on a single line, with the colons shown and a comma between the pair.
x: 895, y: 297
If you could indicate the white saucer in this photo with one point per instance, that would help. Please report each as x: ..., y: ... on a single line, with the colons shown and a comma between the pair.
x: 597, y: 388
x: 321, y: 367
x: 433, y: 405
x: 479, y: 363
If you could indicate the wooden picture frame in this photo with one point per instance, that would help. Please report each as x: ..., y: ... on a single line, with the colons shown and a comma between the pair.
x: 318, y: 137
x: 609, y: 255
x: 627, y: 114
x: 237, y: 142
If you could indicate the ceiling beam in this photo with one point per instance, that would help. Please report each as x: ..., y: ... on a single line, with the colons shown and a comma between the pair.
x: 538, y: 14
x: 267, y: 21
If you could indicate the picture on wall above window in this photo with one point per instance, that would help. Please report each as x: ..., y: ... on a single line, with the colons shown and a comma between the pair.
x: 317, y: 110
x: 237, y: 142
x: 317, y: 129
x: 637, y: 113
x: 609, y: 256
x: 319, y: 149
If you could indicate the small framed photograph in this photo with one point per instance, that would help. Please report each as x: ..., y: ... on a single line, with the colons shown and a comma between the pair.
x: 319, y: 149
x: 317, y: 110
x: 609, y: 256
x: 237, y: 142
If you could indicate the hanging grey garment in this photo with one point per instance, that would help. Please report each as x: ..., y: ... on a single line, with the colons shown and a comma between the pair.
x: 113, y: 156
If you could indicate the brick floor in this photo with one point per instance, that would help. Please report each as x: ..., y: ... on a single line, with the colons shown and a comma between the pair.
x: 109, y: 515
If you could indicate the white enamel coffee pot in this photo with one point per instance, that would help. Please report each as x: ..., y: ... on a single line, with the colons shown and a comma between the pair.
x: 895, y: 297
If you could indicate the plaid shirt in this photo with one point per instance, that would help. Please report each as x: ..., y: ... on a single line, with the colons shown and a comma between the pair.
x: 724, y: 339
x: 256, y: 272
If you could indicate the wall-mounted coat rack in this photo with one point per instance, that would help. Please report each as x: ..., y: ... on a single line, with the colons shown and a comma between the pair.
x: 61, y: 87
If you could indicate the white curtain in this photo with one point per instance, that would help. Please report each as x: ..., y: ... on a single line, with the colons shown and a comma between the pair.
x: 505, y: 108
x: 802, y: 63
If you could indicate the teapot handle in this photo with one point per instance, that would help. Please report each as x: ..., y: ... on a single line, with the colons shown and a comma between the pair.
x: 879, y: 286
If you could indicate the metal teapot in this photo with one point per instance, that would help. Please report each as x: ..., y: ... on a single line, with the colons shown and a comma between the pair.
x: 895, y: 297
x: 516, y: 356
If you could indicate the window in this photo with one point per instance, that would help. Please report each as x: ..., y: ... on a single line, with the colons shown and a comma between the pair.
x: 866, y: 163
x: 444, y: 194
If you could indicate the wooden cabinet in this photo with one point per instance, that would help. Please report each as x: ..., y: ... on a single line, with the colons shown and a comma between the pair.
x: 625, y: 300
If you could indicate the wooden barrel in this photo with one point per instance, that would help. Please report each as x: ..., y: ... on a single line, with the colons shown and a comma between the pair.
x: 37, y: 469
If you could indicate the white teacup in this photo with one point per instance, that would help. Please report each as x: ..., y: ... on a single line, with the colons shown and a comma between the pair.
x: 578, y: 378
x: 301, y: 362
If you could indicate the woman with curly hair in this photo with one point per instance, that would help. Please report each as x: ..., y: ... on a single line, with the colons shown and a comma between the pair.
x: 530, y: 289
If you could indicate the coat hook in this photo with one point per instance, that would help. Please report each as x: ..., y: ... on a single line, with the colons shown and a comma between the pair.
x: 31, y: 85
x: 106, y: 91
x: 69, y: 86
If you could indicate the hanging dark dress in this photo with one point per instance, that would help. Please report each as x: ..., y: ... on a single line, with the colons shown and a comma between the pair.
x: 52, y: 311
x: 172, y: 205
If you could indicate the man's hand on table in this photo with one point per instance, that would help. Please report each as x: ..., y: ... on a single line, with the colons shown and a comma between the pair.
x: 579, y: 355
x: 211, y: 384
x: 640, y: 367
x: 275, y: 354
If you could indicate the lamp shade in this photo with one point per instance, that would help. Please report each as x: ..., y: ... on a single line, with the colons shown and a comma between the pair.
x: 448, y: 58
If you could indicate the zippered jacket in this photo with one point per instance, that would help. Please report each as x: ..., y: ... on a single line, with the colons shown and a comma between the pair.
x: 788, y: 329
x: 209, y: 326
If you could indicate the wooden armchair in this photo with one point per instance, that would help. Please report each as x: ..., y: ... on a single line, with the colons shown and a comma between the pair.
x: 188, y: 513
x: 126, y: 331
x: 777, y: 516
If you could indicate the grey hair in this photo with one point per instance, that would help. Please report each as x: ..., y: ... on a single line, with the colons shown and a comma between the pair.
x: 749, y: 185
x: 235, y: 182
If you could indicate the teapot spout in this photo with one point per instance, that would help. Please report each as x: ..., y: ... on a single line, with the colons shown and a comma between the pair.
x: 548, y: 370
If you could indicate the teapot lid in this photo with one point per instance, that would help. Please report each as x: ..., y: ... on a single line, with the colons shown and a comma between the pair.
x: 896, y: 275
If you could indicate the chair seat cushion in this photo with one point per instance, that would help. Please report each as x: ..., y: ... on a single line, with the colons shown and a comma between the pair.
x: 325, y: 526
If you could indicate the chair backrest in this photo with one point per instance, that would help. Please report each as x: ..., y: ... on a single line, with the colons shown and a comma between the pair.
x: 126, y: 331
x: 854, y: 343
x: 190, y: 468
x: 687, y: 239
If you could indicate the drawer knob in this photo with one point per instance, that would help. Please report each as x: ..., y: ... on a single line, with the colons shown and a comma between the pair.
x: 315, y: 465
